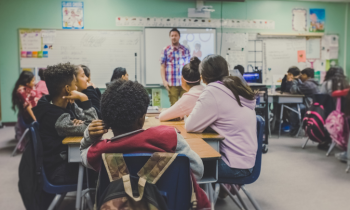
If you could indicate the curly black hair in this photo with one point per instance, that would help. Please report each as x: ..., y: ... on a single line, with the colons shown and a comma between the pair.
x: 123, y: 103
x: 58, y: 76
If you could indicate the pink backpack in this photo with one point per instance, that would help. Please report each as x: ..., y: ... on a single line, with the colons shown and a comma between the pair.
x: 337, y: 126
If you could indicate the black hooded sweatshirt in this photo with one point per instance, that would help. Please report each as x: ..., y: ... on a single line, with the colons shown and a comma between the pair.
x: 94, y: 94
x: 55, y: 123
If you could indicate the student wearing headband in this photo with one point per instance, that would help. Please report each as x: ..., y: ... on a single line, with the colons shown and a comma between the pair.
x: 190, y: 80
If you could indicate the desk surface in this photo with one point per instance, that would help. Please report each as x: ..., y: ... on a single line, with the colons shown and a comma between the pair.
x: 285, y: 94
x: 198, y: 145
x: 152, y: 122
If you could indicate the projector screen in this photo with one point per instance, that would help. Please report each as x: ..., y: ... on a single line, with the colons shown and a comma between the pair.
x: 200, y: 42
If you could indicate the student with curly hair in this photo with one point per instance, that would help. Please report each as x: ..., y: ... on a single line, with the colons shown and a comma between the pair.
x: 124, y: 106
x: 59, y: 117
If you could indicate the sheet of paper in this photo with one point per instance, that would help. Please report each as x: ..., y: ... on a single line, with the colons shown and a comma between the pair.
x: 48, y: 36
x: 301, y: 56
x: 299, y: 21
x: 333, y: 52
x: 313, y: 48
x: 332, y: 40
x: 31, y: 41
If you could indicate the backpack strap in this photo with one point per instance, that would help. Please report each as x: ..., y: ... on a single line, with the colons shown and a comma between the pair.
x: 115, y: 165
x: 156, y: 165
x: 338, y: 104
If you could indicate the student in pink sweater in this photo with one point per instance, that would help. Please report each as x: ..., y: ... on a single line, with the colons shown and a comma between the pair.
x: 227, y: 106
x: 41, y: 85
x: 191, y: 83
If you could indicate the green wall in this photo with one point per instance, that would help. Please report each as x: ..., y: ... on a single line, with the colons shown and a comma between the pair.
x: 101, y: 14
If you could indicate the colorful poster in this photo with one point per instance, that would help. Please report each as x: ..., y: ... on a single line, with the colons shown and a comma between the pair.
x: 156, y: 97
x: 317, y: 20
x: 301, y: 56
x: 72, y: 15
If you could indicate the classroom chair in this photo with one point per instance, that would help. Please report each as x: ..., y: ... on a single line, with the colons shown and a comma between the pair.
x: 260, y: 124
x: 174, y: 184
x: 59, y: 190
x: 22, y: 125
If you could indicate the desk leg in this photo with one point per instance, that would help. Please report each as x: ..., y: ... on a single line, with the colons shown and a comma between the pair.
x: 80, y: 186
x: 268, y: 114
x: 300, y: 123
x: 281, y: 117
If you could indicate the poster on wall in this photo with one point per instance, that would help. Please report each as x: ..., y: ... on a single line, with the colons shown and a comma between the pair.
x: 299, y: 20
x: 72, y: 15
x: 317, y: 20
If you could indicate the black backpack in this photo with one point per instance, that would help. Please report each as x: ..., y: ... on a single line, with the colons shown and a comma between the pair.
x: 313, y: 124
x: 30, y: 184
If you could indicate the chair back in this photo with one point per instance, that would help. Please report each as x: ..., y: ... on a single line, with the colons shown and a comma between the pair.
x: 326, y: 101
x: 21, y: 121
x: 38, y: 153
x: 175, y: 183
x: 260, y: 124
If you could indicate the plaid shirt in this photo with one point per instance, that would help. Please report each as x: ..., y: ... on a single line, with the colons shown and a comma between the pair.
x: 174, y: 59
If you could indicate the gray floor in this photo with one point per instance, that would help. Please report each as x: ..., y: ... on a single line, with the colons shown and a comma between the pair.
x: 291, y: 178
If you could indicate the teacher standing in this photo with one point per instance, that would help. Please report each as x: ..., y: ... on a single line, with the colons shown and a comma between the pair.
x: 173, y: 58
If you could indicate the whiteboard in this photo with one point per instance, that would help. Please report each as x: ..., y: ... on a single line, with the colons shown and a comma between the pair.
x: 280, y: 54
x: 101, y: 51
x: 156, y: 39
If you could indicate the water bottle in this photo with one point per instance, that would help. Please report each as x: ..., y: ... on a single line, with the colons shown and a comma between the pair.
x: 273, y: 87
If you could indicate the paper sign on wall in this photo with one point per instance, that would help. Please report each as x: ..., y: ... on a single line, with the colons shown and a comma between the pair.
x: 301, y: 56
x: 31, y: 41
x: 72, y: 15
x: 299, y: 22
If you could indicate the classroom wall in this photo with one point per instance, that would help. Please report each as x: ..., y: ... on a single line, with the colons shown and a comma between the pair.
x: 101, y: 14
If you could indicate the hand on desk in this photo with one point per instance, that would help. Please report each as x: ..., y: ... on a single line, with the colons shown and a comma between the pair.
x: 97, y: 129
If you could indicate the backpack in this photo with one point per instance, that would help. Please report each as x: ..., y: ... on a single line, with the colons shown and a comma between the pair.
x: 337, y: 126
x: 313, y: 124
x: 133, y: 193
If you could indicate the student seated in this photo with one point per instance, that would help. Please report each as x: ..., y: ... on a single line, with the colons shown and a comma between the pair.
x: 292, y: 75
x: 334, y: 80
x: 41, y: 85
x: 119, y: 73
x: 24, y: 98
x: 85, y: 86
x: 307, y: 86
x: 240, y: 68
x: 59, y: 117
x: 228, y: 107
x: 123, y: 106
x: 191, y: 83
